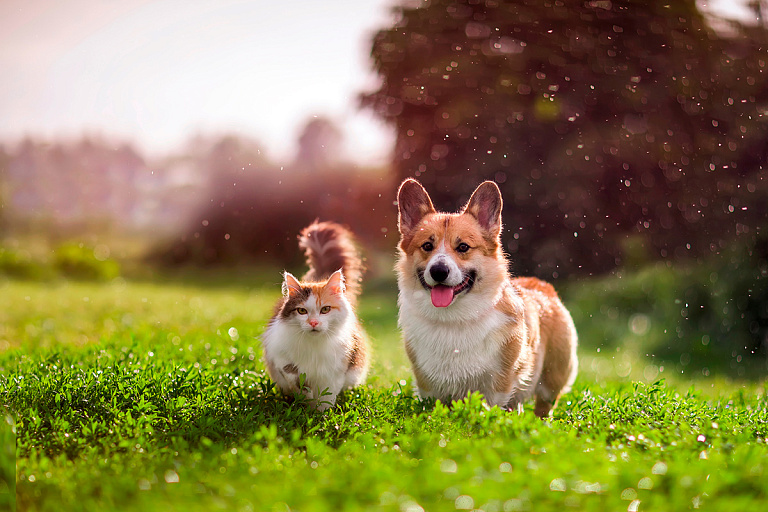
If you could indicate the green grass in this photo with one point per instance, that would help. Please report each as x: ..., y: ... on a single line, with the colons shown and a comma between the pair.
x: 151, y: 396
x: 7, y: 462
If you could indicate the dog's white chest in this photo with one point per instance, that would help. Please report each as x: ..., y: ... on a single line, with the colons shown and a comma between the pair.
x: 456, y: 357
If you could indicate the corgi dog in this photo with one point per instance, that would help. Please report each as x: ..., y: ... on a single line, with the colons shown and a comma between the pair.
x: 467, y: 324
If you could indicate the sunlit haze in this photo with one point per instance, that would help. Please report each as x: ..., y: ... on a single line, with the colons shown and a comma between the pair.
x: 156, y: 72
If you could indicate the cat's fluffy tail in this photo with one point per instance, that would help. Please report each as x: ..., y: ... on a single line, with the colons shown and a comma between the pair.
x: 329, y: 247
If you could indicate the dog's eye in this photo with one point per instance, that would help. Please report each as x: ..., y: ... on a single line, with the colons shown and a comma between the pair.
x: 301, y: 311
x: 427, y: 246
x: 462, y: 247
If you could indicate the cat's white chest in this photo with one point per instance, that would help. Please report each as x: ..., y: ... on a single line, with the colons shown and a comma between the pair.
x: 317, y: 354
x: 321, y: 356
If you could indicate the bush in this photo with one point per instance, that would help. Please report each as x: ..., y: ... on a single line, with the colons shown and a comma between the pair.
x: 712, y: 313
x: 256, y: 217
x: 21, y: 265
x: 79, y: 261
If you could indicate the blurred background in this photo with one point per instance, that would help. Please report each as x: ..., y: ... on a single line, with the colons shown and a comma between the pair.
x: 629, y: 138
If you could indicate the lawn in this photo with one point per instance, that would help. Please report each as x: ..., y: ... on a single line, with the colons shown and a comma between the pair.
x: 151, y: 396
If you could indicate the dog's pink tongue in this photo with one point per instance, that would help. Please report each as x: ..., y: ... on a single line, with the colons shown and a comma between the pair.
x: 442, y: 296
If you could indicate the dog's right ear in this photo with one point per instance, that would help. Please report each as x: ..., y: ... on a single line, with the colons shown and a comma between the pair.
x: 413, y: 203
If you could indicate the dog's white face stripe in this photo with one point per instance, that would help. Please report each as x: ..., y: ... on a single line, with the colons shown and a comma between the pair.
x: 441, y: 255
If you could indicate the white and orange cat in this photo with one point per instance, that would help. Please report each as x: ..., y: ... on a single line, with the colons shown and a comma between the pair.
x: 314, y: 344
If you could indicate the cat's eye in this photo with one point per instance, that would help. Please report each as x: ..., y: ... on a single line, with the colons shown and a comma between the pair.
x: 427, y: 246
x: 462, y: 247
x: 301, y: 311
x: 325, y: 309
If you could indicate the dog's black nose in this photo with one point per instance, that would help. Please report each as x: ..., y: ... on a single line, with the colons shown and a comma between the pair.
x: 439, y: 272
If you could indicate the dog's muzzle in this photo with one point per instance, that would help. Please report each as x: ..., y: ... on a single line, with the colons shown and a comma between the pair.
x: 442, y: 295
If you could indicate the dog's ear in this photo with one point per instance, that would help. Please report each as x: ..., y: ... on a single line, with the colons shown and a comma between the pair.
x: 485, y: 206
x: 413, y: 203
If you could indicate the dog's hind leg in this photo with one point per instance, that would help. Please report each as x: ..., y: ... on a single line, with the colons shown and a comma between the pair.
x: 559, y: 368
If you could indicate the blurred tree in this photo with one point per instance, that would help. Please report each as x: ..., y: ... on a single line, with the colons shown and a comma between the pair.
x: 253, y: 209
x: 319, y: 145
x: 617, y: 130
x: 67, y: 188
x: 756, y: 6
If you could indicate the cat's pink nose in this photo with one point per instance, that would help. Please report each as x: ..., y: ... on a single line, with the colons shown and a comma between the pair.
x: 313, y: 322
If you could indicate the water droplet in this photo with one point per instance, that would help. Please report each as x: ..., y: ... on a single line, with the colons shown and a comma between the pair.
x: 558, y: 484
x: 448, y: 466
x: 464, y: 502
x: 629, y: 494
x: 645, y: 483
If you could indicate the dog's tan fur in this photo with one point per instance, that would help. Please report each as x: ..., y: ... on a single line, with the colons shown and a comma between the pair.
x: 508, y: 338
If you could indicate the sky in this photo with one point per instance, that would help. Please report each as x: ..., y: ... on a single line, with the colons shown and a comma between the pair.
x: 157, y: 72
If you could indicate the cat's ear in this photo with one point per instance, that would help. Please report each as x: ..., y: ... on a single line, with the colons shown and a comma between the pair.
x: 335, y: 283
x: 291, y: 286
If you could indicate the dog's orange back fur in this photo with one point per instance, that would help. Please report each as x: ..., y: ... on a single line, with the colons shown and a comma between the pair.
x: 509, y: 338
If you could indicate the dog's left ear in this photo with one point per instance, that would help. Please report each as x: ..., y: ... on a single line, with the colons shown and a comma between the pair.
x: 485, y: 206
x: 413, y: 204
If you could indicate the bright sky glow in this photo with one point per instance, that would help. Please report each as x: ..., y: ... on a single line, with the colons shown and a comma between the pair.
x: 158, y: 71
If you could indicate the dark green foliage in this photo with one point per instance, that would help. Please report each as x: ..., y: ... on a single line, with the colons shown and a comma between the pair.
x: 698, y: 318
x: 599, y: 120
